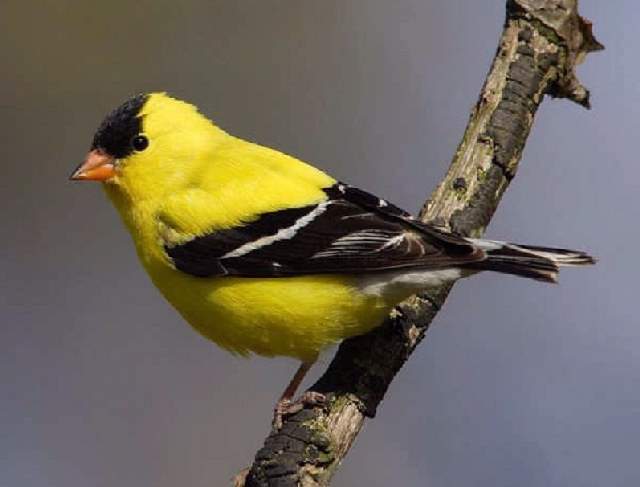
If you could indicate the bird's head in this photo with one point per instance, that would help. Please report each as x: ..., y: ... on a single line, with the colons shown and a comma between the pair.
x: 147, y: 144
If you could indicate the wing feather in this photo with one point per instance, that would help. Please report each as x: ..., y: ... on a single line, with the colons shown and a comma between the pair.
x: 350, y: 232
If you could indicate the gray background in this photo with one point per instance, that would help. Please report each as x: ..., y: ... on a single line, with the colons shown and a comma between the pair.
x: 518, y: 383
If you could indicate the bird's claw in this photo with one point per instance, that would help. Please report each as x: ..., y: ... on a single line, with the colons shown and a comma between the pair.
x: 287, y: 407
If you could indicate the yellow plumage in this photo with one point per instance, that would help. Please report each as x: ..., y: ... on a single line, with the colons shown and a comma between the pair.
x: 264, y: 254
x: 194, y: 179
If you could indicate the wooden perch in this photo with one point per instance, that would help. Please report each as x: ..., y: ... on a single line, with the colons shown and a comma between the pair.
x: 541, y: 44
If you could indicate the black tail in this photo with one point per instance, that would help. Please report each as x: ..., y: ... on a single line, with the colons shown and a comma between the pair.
x: 539, y: 263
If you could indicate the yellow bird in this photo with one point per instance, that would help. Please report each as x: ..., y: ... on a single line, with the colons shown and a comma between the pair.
x: 264, y: 254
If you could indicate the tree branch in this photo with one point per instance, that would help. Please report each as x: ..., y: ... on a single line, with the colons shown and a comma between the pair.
x: 541, y: 44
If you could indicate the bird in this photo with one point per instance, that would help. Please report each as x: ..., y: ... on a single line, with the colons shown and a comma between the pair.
x: 265, y: 254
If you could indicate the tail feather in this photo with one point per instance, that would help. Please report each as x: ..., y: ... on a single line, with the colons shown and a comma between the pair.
x: 540, y: 263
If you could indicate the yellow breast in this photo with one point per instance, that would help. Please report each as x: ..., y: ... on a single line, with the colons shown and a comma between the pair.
x: 296, y: 316
x: 292, y: 316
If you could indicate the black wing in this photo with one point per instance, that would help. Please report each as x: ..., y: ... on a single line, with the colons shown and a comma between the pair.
x: 350, y: 232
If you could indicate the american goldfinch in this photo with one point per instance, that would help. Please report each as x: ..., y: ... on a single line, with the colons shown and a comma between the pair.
x: 264, y: 254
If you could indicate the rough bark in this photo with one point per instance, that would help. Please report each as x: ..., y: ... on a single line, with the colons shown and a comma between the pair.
x: 540, y: 46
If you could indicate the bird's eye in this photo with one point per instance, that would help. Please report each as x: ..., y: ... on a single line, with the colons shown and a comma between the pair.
x: 140, y: 142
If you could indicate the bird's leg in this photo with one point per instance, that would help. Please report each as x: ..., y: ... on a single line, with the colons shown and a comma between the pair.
x: 286, y: 405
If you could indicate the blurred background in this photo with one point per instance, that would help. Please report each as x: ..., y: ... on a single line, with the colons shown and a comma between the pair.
x: 518, y: 383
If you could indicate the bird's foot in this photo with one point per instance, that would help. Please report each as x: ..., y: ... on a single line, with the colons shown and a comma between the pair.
x: 287, y: 407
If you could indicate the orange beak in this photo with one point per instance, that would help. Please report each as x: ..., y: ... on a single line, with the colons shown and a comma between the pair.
x: 97, y: 166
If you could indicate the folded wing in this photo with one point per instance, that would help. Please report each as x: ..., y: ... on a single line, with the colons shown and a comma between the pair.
x: 350, y: 232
